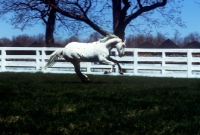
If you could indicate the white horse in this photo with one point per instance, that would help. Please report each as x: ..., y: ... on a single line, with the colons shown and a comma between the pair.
x: 76, y: 52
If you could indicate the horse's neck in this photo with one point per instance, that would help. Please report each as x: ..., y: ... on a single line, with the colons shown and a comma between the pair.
x: 111, y: 43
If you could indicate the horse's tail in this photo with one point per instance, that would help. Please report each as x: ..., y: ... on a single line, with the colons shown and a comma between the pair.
x: 54, y: 56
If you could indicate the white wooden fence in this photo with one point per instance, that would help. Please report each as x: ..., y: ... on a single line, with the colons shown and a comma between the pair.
x: 140, y: 62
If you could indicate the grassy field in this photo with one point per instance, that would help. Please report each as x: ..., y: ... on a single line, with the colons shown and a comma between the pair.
x: 37, y: 103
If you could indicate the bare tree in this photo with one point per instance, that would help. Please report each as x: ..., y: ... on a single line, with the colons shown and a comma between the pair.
x: 177, y: 39
x: 130, y: 42
x: 5, y: 42
x: 104, y: 16
x: 136, y: 40
x: 191, y: 38
x: 95, y: 13
x: 23, y: 40
x: 71, y: 39
x: 26, y: 13
x: 159, y: 38
x: 94, y: 37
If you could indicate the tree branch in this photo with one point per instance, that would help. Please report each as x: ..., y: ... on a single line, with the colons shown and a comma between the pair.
x: 144, y: 9
x: 28, y: 6
x: 125, y: 8
x: 82, y: 17
x: 139, y: 3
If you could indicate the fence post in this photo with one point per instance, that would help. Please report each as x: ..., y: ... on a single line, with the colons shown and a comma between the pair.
x: 189, y: 63
x: 37, y: 59
x: 89, y: 67
x: 163, y: 62
x: 3, y: 59
x: 135, y: 59
x: 43, y: 59
x: 116, y: 67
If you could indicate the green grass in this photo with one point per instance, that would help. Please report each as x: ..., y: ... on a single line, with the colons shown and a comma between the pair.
x: 37, y: 103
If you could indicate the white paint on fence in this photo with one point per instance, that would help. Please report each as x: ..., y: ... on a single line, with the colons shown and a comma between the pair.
x: 139, y: 62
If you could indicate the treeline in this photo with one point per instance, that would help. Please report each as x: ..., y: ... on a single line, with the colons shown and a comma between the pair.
x: 131, y: 40
x: 136, y: 41
x: 39, y: 40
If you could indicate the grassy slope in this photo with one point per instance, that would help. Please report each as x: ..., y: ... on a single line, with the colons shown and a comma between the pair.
x: 59, y: 103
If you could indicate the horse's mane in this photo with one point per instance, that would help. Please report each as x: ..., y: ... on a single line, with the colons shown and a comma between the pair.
x: 110, y: 36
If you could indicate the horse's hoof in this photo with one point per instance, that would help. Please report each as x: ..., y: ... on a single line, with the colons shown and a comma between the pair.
x: 86, y: 81
x: 106, y: 72
x: 121, y: 72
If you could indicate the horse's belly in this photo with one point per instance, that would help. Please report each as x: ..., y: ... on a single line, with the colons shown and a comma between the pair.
x: 89, y: 58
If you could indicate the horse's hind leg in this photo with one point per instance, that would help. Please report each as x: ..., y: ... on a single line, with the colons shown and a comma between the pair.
x: 84, y: 78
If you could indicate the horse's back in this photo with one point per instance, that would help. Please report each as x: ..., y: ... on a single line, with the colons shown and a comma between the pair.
x: 76, y: 46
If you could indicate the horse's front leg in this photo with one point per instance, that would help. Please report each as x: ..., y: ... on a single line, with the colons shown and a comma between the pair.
x: 115, y: 61
x: 84, y: 78
x: 110, y: 71
x: 105, y: 61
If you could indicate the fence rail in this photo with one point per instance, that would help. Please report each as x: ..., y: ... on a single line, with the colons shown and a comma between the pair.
x: 140, y: 62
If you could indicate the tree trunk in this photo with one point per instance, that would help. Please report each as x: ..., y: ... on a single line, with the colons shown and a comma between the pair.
x: 119, y: 31
x: 50, y: 27
x: 119, y: 15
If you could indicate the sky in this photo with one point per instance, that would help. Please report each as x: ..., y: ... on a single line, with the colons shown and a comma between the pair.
x: 190, y: 15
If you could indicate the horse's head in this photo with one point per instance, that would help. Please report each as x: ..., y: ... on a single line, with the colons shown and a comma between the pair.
x: 112, y: 41
x: 121, y: 48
